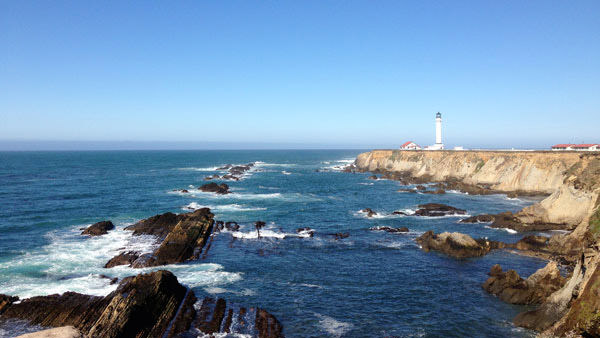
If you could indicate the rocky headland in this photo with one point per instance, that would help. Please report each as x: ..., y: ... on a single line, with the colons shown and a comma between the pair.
x: 570, y: 184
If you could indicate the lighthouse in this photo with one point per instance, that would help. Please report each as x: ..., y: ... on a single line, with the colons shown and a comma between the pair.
x: 438, y: 134
x: 438, y: 131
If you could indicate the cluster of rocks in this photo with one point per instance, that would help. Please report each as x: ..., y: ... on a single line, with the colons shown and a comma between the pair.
x: 98, y: 229
x: 424, y: 190
x: 220, y: 189
x: 457, y: 244
x: 146, y: 305
x: 429, y: 210
x: 234, y: 172
x: 508, y: 220
x: 509, y: 287
x: 389, y: 229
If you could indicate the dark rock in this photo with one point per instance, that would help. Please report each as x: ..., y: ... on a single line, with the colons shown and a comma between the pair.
x: 421, y: 187
x: 220, y: 189
x: 373, y: 177
x: 232, y: 226
x: 399, y: 213
x: 219, y: 226
x: 217, y: 316
x: 407, y: 190
x: 369, y: 212
x: 511, y: 288
x: 159, y: 225
x: 225, y: 167
x: 389, y: 229
x: 124, y: 258
x: 341, y: 235
x: 100, y: 228
x: 259, y: 225
x: 478, y: 219
x: 113, y: 280
x: 438, y: 210
x: 532, y: 243
x: 456, y: 244
x: 6, y: 301
x: 435, y: 192
x: 184, y: 242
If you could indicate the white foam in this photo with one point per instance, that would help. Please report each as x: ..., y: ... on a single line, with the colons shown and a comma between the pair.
x: 72, y: 262
x: 332, y: 326
x: 286, y: 172
x: 511, y: 231
x: 383, y: 214
x: 200, y: 169
x: 268, y: 232
x: 366, y: 183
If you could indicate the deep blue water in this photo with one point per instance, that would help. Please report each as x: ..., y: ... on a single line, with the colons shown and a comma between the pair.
x: 372, y: 284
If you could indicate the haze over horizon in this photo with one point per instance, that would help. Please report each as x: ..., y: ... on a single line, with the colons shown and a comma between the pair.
x: 237, y: 75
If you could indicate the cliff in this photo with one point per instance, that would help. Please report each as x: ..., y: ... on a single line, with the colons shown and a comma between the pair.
x: 567, y: 177
x: 572, y: 182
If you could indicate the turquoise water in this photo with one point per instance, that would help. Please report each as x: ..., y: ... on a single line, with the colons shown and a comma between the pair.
x: 372, y: 284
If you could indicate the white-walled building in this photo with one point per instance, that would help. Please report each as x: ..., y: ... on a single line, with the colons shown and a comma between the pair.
x: 577, y: 147
x: 410, y: 145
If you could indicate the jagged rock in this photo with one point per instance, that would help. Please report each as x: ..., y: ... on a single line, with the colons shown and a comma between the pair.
x: 124, y: 258
x: 6, y: 301
x: 511, y: 288
x: 184, y: 242
x: 58, y: 332
x: 485, y: 218
x: 421, y: 187
x: 232, y: 226
x: 456, y: 244
x: 373, y: 177
x: 369, y: 212
x: 220, y: 189
x: 389, y: 229
x: 438, y: 210
x: 534, y: 243
x: 399, y: 213
x: 146, y: 305
x: 216, y: 316
x: 113, y: 280
x: 341, y: 235
x: 159, y: 225
x: 509, y: 221
x: 100, y: 228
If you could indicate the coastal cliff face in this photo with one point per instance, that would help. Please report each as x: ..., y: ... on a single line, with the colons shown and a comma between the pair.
x: 565, y: 176
x: 571, y: 181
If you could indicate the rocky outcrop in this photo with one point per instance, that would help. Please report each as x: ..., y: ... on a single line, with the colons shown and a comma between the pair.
x: 456, y: 244
x: 511, y: 288
x: 217, y: 316
x: 98, y: 229
x: 220, y: 189
x: 147, y: 305
x: 124, y: 258
x: 567, y: 177
x: 182, y: 238
x: 486, y: 218
x: 438, y: 210
x: 389, y: 229
x: 369, y: 212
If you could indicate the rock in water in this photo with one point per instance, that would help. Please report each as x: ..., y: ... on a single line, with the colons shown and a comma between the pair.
x: 369, y: 212
x: 456, y: 244
x: 184, y: 242
x: 485, y: 218
x: 389, y: 229
x: 159, y: 225
x: 100, y: 228
x: 124, y: 258
x: 438, y: 210
x: 220, y: 189
x: 511, y: 288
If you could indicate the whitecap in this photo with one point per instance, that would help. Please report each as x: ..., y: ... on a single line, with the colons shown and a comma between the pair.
x: 286, y: 172
x: 200, y: 169
x: 224, y: 208
x: 332, y: 326
x: 510, y: 231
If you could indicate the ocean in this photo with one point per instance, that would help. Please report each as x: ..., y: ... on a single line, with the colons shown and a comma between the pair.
x: 371, y: 284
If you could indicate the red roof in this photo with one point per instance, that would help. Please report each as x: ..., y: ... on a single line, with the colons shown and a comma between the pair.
x: 405, y: 144
x: 586, y: 145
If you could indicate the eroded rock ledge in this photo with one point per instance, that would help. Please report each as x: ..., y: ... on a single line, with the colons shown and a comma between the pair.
x: 182, y: 238
x: 147, y: 305
x: 456, y: 244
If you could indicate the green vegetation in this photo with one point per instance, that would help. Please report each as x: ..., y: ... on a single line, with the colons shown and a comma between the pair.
x: 595, y: 223
x: 479, y: 165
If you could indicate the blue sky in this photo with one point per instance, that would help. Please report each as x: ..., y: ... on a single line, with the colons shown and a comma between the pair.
x: 239, y: 74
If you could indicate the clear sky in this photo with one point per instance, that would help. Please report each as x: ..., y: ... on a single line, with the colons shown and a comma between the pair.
x: 243, y: 74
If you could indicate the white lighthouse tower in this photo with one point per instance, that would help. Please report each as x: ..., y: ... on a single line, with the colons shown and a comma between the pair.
x: 438, y: 134
x: 438, y: 130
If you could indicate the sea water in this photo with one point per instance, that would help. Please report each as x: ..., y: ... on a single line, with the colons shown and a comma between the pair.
x: 371, y: 284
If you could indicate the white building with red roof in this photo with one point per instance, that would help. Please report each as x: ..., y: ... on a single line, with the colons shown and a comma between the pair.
x: 410, y: 145
x: 577, y: 147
